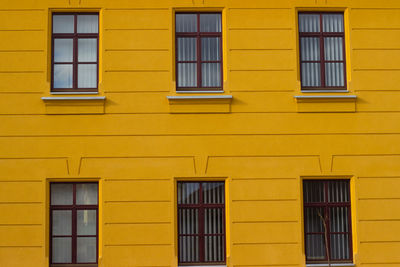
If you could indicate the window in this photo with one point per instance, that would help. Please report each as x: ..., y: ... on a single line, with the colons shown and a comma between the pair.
x: 201, y: 223
x: 322, y: 51
x: 198, y: 51
x: 73, y: 224
x: 327, y: 221
x: 75, y: 40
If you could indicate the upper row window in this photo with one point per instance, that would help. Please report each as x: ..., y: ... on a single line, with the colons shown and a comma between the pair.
x: 75, y: 41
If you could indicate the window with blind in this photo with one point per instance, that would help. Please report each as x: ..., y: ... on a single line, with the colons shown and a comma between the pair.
x: 75, y: 42
x: 198, y: 51
x: 327, y: 221
x: 322, y: 51
x: 201, y: 223
x: 73, y: 224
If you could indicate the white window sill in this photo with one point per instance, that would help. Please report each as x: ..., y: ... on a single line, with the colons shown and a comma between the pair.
x: 72, y: 98
x: 332, y: 264
x: 201, y: 92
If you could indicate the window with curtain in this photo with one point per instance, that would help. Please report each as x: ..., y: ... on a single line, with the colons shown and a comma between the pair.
x: 327, y: 221
x: 322, y: 51
x: 75, y: 39
x: 201, y: 223
x: 73, y: 224
x: 198, y: 51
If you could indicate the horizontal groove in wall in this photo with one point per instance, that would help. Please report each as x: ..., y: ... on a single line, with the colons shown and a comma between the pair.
x: 21, y: 203
x: 136, y: 201
x: 137, y: 70
x: 265, y: 200
x: 260, y: 29
x: 244, y: 222
x: 250, y: 179
x: 136, y: 245
x: 128, y: 223
x: 266, y: 243
x: 21, y: 30
x: 137, y: 29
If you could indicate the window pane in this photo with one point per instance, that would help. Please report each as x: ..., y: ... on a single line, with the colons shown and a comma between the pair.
x: 88, y: 24
x: 310, y: 48
x: 214, y: 248
x: 187, y: 49
x: 62, y: 76
x: 188, y: 221
x: 63, y: 50
x: 340, y: 248
x: 339, y: 220
x: 332, y: 22
x: 87, y: 50
x: 210, y: 22
x: 187, y: 74
x: 333, y: 48
x: 86, y: 249
x: 309, y: 23
x: 310, y: 74
x: 61, y: 250
x: 189, y: 249
x: 213, y: 221
x: 210, y: 49
x: 334, y: 74
x: 188, y: 193
x: 63, y: 24
x: 61, y: 194
x: 313, y: 220
x: 86, y: 194
x: 86, y: 222
x: 338, y: 191
x: 87, y: 75
x: 61, y: 222
x: 213, y: 193
x: 211, y: 75
x: 315, y: 247
x: 186, y: 23
x: 313, y: 191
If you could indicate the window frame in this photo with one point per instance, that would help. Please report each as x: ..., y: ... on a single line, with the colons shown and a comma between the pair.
x: 321, y: 35
x: 198, y: 35
x: 325, y: 205
x: 74, y: 36
x: 74, y: 235
x: 201, y: 207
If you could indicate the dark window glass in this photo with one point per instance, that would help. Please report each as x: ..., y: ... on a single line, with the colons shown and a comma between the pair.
x: 75, y: 38
x: 327, y: 221
x: 201, y: 222
x: 322, y: 51
x: 198, y: 51
x: 74, y: 223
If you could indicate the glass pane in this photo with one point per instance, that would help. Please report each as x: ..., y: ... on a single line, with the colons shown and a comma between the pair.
x: 213, y: 193
x: 186, y: 23
x: 188, y: 193
x: 188, y: 221
x: 310, y: 74
x: 210, y: 22
x: 87, y: 75
x: 334, y: 74
x: 309, y: 23
x: 310, y: 48
x: 332, y: 22
x: 87, y: 50
x: 187, y: 74
x: 339, y: 220
x: 88, y: 24
x: 63, y: 24
x: 313, y: 220
x: 338, y: 191
x: 315, y: 247
x: 214, y: 248
x: 187, y: 49
x: 86, y: 194
x: 62, y: 76
x: 211, y: 75
x: 210, y: 49
x: 340, y: 247
x: 61, y: 194
x: 189, y: 249
x: 61, y: 222
x: 313, y: 191
x: 333, y: 48
x: 214, y: 221
x: 61, y: 250
x: 86, y: 249
x: 63, y: 50
x: 86, y: 222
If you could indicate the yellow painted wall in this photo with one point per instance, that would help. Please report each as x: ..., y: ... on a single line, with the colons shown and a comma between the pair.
x: 261, y: 145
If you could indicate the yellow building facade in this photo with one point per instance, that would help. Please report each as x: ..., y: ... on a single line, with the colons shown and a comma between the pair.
x: 260, y: 133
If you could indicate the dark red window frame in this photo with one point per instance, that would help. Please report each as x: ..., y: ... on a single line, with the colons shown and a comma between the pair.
x: 75, y: 36
x: 201, y: 206
x: 74, y: 208
x: 325, y: 206
x: 198, y: 35
x: 321, y: 35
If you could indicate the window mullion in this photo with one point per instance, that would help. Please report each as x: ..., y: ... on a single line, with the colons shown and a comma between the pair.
x: 322, y: 52
x: 201, y: 225
x: 199, y: 74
